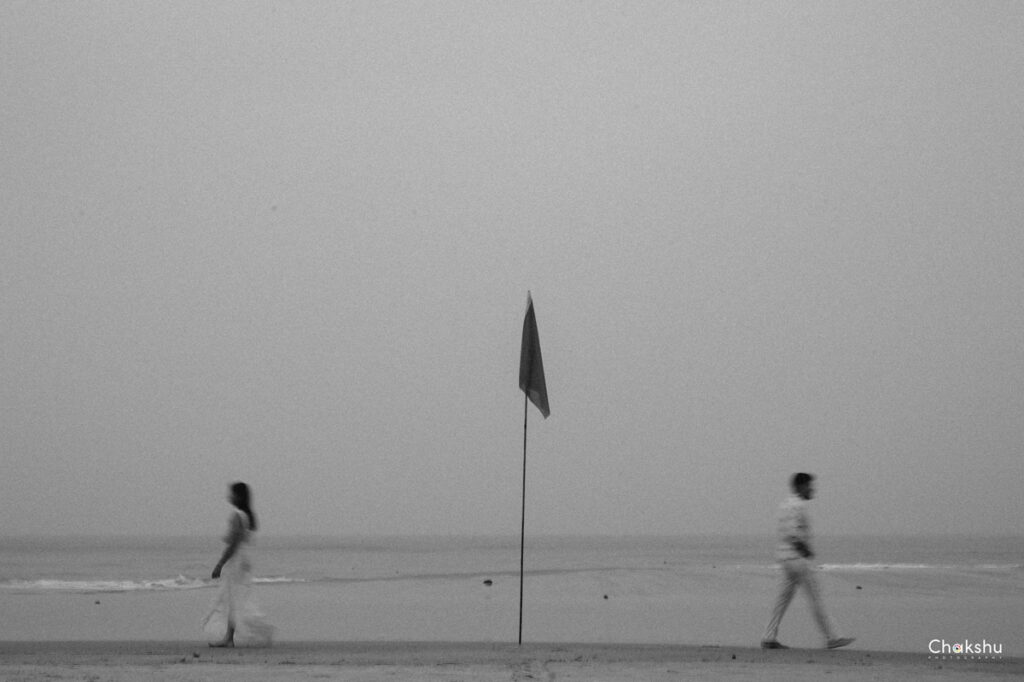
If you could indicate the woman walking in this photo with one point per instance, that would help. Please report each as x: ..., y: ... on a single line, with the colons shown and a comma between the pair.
x: 234, y: 613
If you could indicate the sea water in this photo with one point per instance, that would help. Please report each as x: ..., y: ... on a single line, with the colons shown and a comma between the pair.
x: 896, y: 592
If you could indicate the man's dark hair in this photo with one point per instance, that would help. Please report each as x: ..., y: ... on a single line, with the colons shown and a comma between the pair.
x: 799, y: 480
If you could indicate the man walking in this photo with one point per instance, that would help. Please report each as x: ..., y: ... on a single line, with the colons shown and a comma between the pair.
x: 794, y: 556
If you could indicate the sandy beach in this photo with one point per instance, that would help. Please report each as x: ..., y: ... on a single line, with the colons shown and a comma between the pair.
x: 594, y: 610
x: 190, y: 661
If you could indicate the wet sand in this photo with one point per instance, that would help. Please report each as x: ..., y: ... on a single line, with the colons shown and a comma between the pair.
x: 450, y: 661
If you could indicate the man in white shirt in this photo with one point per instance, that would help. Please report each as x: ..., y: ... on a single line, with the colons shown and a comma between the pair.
x: 794, y: 555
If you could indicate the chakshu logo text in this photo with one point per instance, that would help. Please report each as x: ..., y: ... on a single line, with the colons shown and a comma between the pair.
x: 966, y: 647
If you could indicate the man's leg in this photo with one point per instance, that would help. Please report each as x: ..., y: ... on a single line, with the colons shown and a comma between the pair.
x: 787, y: 587
x: 810, y: 582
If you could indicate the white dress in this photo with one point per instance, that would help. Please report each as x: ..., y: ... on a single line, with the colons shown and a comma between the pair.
x: 235, y: 602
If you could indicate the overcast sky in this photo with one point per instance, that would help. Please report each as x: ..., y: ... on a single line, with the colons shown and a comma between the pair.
x: 291, y: 244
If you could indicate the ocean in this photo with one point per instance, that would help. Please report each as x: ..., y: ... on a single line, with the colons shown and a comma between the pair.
x: 893, y: 593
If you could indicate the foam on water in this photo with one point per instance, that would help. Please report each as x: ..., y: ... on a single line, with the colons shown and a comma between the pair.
x: 918, y: 567
x: 113, y: 586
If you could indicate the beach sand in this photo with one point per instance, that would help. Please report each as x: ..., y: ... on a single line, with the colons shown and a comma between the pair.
x: 614, y: 618
x: 885, y: 610
x: 451, y: 662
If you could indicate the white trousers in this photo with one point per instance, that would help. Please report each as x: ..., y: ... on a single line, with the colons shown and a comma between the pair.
x: 797, y: 572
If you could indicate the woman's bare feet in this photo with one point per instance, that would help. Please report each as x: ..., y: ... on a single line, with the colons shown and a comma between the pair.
x: 229, y: 638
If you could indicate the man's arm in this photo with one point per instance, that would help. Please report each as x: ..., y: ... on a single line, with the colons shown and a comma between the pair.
x: 803, y: 549
x: 801, y: 534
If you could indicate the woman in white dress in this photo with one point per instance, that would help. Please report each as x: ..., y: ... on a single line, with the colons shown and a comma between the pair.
x: 234, y: 612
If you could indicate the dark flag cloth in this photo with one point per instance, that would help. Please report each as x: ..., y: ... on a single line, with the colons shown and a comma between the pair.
x: 531, y: 367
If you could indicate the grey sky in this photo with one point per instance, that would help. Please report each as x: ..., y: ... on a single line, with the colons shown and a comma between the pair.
x: 291, y: 244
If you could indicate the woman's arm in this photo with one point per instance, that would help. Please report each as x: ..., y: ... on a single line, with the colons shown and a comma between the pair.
x: 233, y: 539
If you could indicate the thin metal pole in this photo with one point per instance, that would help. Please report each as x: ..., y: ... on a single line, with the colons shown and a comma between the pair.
x: 522, y: 532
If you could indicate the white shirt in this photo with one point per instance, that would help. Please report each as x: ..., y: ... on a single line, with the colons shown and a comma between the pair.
x: 794, y: 526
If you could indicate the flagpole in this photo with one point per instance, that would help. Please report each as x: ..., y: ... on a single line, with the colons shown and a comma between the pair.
x: 531, y: 381
x: 522, y: 531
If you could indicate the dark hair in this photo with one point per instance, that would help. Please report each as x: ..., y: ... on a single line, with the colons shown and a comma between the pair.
x: 242, y: 500
x: 800, y: 479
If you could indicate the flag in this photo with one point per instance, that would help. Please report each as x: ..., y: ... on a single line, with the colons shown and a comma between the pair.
x: 531, y: 367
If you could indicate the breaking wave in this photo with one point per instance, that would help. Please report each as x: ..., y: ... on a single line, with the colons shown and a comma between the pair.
x: 113, y: 586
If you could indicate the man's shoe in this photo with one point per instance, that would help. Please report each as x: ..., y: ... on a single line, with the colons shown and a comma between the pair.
x: 773, y: 644
x: 838, y: 642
